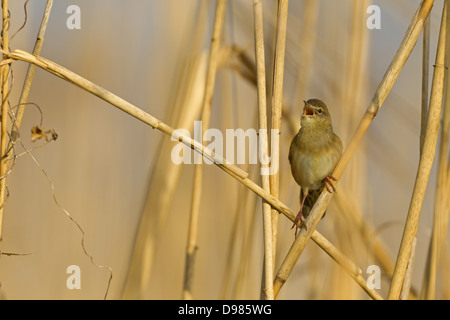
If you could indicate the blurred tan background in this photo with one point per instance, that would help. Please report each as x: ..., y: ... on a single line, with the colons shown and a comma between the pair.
x: 103, y: 159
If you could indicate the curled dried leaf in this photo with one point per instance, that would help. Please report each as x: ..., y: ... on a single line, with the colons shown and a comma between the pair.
x: 38, y: 133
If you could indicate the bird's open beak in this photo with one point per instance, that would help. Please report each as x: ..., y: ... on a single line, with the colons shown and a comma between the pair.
x: 308, y: 111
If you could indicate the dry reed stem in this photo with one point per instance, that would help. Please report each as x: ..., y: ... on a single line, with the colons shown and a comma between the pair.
x: 425, y: 79
x: 4, y: 110
x: 442, y: 202
x: 351, y: 99
x: 424, y: 112
x: 198, y: 171
x: 445, y: 282
x: 425, y: 164
x: 146, y: 118
x: 31, y: 70
x: 243, y: 273
x: 381, y: 93
x: 163, y: 183
x: 308, y: 42
x: 277, y: 105
x: 409, y: 270
x: 231, y: 257
x: 268, y: 222
x: 191, y: 247
x: 244, y: 212
x: 353, y: 96
x: 356, y: 61
x: 441, y: 208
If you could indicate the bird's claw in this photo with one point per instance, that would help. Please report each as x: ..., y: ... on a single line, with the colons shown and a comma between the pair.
x: 299, y: 218
x: 329, y: 184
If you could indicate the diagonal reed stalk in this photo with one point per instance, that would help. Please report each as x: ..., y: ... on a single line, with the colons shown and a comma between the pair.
x: 148, y: 119
x: 198, y: 171
x: 380, y: 95
x: 425, y: 164
x: 5, y: 69
x: 425, y: 79
x: 269, y: 224
x: 408, y: 273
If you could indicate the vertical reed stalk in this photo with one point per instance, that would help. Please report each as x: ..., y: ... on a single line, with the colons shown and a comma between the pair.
x: 353, y: 100
x: 277, y: 104
x: 269, y: 248
x: 198, y: 173
x: 239, y: 222
x: 440, y: 217
x: 4, y: 110
x: 243, y: 274
x: 425, y: 164
x: 306, y: 55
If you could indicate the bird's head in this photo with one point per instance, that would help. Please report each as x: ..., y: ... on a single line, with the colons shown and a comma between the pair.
x: 315, y: 113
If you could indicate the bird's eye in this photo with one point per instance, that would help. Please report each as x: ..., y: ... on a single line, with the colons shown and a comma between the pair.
x: 319, y: 110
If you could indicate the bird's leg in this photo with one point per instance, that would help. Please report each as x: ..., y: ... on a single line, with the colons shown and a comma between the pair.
x: 299, y: 216
x: 329, y: 184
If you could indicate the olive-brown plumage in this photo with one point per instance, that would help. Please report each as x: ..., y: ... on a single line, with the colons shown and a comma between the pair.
x: 314, y: 152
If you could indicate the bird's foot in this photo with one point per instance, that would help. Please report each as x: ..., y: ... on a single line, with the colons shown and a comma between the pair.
x: 299, y: 222
x: 329, y: 183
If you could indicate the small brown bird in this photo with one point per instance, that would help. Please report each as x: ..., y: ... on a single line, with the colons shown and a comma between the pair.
x: 314, y: 152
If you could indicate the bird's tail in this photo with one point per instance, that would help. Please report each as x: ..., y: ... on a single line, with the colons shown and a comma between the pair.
x: 311, y: 199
